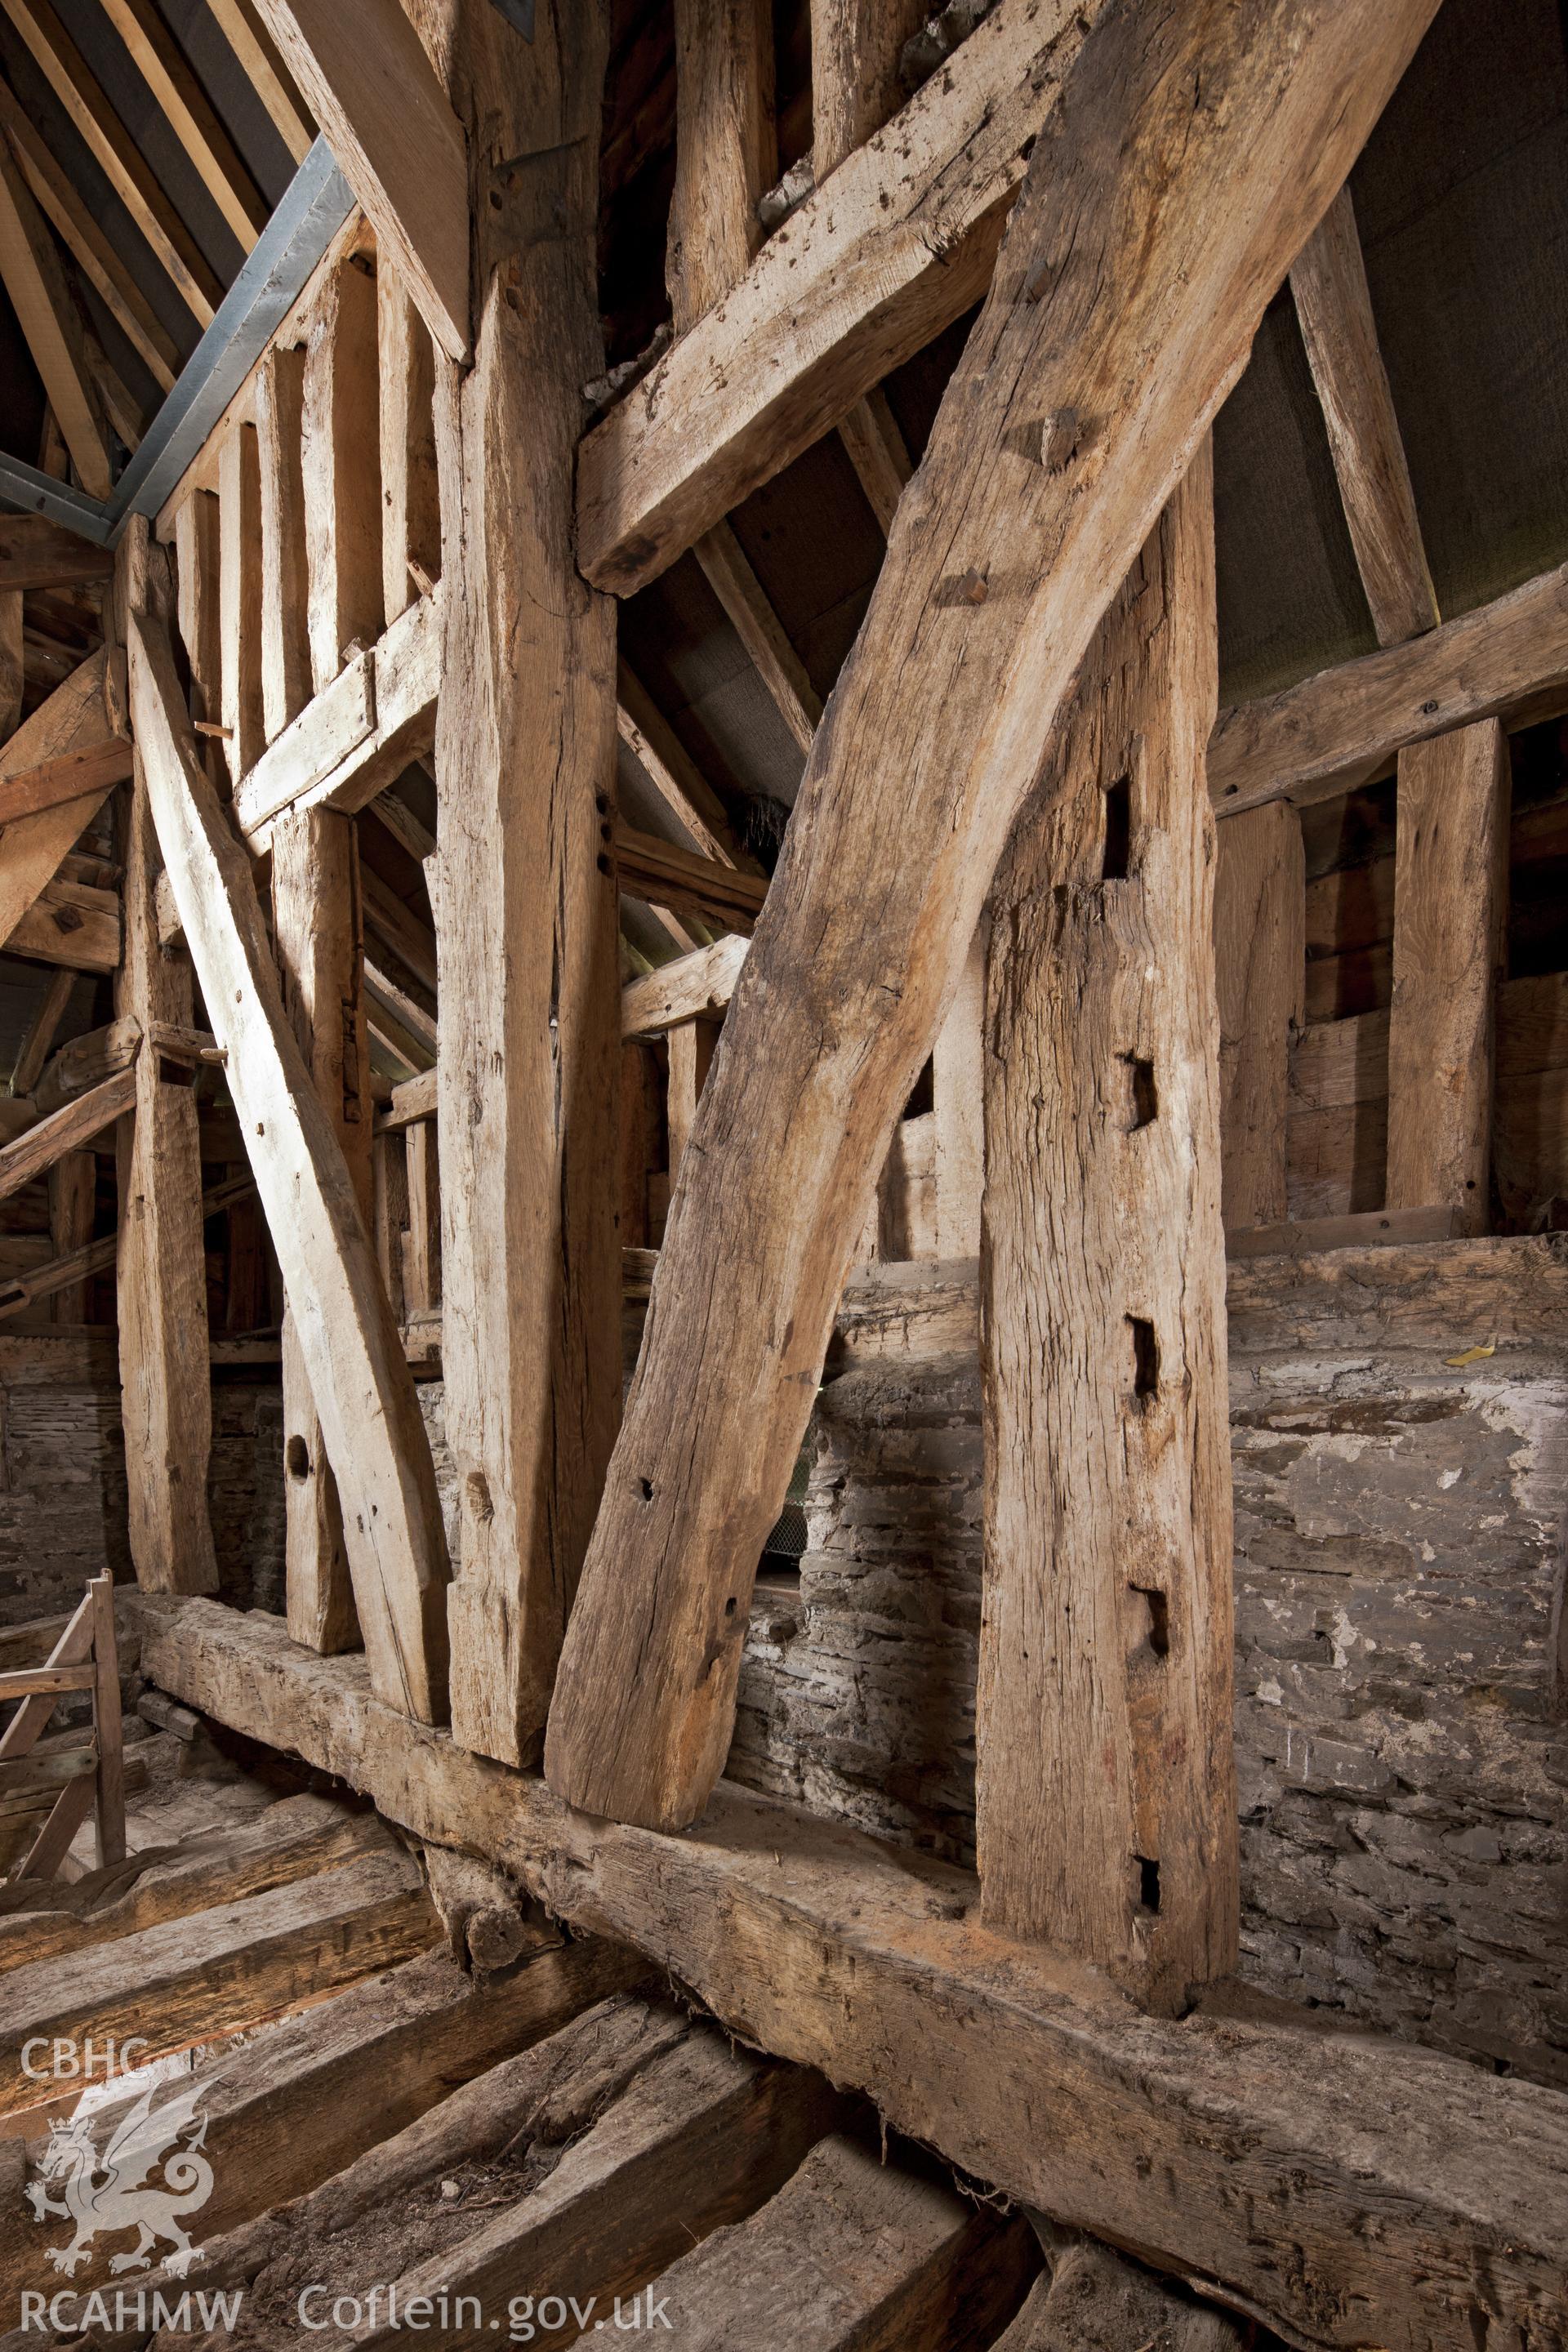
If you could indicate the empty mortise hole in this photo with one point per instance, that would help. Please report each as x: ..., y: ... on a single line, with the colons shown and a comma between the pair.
x: 1145, y: 1096
x: 1157, y: 1632
x: 296, y: 1456
x: 1118, y: 830
x: 1145, y: 1357
x: 1147, y: 1885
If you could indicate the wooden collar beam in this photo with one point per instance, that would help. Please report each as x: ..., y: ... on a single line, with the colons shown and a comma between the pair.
x: 1245, y: 2149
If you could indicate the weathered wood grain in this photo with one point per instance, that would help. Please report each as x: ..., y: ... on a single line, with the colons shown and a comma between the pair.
x: 321, y: 953
x: 1450, y: 911
x: 1261, y: 971
x: 726, y: 153
x: 852, y: 2253
x: 285, y: 585
x: 1105, y: 1784
x: 32, y: 847
x: 410, y: 499
x: 1317, y: 740
x: 1185, y: 212
x: 1335, y: 306
x: 1247, y: 2152
x: 185, y: 1980
x: 364, y: 1393
x: 37, y: 553
x: 161, y: 1268
x: 240, y: 613
x: 863, y: 275
x: 524, y: 895
x: 364, y: 73
x: 341, y: 464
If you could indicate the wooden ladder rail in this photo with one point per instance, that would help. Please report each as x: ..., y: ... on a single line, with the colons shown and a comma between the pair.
x: 85, y: 1658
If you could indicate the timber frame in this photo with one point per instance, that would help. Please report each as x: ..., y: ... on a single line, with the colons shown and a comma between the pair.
x: 362, y: 703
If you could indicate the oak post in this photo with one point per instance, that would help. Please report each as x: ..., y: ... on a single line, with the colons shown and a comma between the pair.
x: 726, y: 151
x: 321, y: 952
x: 523, y: 885
x: 161, y: 1276
x: 1183, y: 158
x: 1451, y: 910
x: 1105, y: 1783
x: 342, y: 469
x: 1260, y: 974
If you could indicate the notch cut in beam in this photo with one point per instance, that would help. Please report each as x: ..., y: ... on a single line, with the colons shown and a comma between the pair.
x: 1000, y: 563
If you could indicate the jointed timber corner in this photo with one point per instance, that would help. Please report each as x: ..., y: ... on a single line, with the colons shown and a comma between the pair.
x: 1349, y: 2190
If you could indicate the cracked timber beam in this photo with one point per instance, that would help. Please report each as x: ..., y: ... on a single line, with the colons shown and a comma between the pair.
x: 1191, y: 153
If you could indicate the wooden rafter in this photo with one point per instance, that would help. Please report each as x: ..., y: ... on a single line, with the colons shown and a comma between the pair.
x: 265, y: 69
x: 46, y: 312
x: 673, y: 773
x: 911, y: 787
x: 734, y: 582
x: 83, y: 238
x: 1333, y: 304
x: 166, y: 72
x: 81, y: 95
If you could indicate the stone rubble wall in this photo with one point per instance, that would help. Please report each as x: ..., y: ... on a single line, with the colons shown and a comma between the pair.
x: 62, y: 1478
x: 1399, y: 1570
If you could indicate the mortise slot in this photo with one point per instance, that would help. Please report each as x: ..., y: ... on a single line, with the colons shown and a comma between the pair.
x: 1145, y: 1359
x: 1147, y: 1885
x: 1118, y: 830
x: 1158, y: 1632
x: 1145, y: 1095
x: 296, y: 1456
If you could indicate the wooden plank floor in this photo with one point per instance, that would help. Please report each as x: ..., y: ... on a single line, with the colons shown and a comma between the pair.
x: 387, y: 2073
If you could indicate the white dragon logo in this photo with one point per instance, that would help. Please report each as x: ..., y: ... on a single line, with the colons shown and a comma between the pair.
x: 119, y: 2201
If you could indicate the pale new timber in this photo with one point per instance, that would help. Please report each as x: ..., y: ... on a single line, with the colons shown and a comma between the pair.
x: 362, y: 1386
x: 1190, y: 156
x: 363, y: 71
x: 1243, y: 2152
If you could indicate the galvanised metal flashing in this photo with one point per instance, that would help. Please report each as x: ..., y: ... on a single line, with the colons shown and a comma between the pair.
x: 314, y: 206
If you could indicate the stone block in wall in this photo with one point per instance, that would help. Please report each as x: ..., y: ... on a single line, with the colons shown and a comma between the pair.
x: 1399, y: 1574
